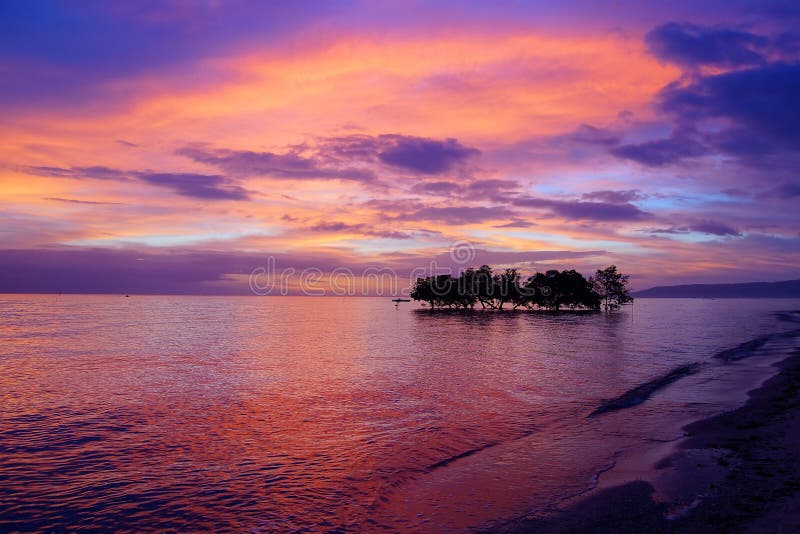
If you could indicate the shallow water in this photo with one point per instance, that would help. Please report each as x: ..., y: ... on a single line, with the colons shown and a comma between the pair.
x: 302, y: 413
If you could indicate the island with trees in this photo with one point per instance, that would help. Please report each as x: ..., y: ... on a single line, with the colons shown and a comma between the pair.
x: 506, y: 290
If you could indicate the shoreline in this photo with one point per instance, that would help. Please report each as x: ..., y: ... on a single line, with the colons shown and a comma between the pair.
x: 738, y: 471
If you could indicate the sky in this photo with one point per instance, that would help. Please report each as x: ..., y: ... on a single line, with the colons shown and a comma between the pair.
x: 177, y: 146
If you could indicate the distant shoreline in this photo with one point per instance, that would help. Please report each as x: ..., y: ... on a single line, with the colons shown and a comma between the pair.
x: 784, y: 289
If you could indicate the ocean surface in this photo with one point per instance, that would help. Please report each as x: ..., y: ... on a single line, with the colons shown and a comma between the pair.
x: 302, y: 414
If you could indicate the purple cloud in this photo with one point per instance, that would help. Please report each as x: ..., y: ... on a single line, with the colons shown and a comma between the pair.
x: 591, y: 135
x: 457, y: 214
x: 411, y: 153
x: 690, y: 46
x: 115, y: 271
x: 209, y: 187
x: 339, y: 158
x: 709, y: 227
x: 356, y: 147
x: 580, y: 210
x: 290, y: 165
x: 735, y: 192
x: 746, y: 144
x: 784, y: 191
x: 203, y: 186
x: 487, y: 189
x: 440, y: 188
x: 516, y: 223
x: 120, y: 271
x: 614, y: 197
x: 79, y: 173
x: 789, y: 189
x: 76, y: 201
x: 763, y: 100
x: 714, y: 228
x: 749, y: 112
x: 662, y: 151
x: 427, y: 156
x: 365, y: 229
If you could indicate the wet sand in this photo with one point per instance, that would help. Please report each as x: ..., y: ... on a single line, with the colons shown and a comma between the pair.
x: 736, y: 472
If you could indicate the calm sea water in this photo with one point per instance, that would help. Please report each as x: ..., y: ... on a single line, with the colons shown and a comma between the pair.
x: 326, y: 414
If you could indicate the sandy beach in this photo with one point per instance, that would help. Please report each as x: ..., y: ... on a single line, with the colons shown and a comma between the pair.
x: 736, y: 472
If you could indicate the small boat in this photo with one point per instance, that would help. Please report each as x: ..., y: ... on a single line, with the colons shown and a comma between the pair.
x: 401, y: 300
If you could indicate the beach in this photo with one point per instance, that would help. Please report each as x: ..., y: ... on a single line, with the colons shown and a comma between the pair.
x: 735, y: 472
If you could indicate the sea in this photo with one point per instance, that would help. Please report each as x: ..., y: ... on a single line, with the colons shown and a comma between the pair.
x: 347, y: 414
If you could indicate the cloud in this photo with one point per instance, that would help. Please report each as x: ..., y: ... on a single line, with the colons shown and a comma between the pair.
x: 580, y: 210
x: 709, y: 227
x: 786, y: 190
x: 591, y: 135
x: 614, y: 197
x: 79, y: 173
x: 427, y: 156
x: 350, y: 157
x: 148, y: 271
x: 486, y: 189
x: 203, y: 186
x: 747, y: 112
x: 661, y: 152
x: 75, y: 201
x: 763, y: 100
x: 714, y: 228
x: 335, y: 227
x: 80, y: 270
x: 440, y: 188
x: 457, y: 214
x: 691, y: 46
x: 745, y: 143
x: 289, y: 165
x: 365, y: 229
x: 789, y: 189
x: 515, y: 223
x: 780, y: 10
x: 735, y: 192
x: 410, y: 153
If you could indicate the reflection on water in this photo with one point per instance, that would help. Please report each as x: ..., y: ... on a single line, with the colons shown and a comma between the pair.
x: 284, y: 413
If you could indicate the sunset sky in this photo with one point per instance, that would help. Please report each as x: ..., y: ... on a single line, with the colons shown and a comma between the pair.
x: 173, y: 146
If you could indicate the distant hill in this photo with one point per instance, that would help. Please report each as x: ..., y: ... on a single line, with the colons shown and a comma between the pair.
x: 786, y: 289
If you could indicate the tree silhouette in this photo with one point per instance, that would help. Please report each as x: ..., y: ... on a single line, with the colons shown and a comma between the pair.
x: 484, y: 288
x: 553, y: 290
x: 506, y: 288
x: 612, y: 287
x: 423, y: 290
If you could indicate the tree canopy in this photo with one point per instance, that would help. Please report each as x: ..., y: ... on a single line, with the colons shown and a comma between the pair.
x: 612, y: 287
x: 552, y: 290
